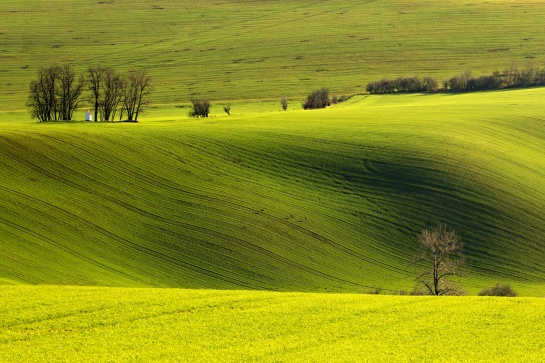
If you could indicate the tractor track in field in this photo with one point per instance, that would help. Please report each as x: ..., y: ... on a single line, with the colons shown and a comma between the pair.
x: 195, y: 40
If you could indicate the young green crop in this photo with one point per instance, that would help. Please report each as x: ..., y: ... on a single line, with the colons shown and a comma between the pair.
x: 328, y: 200
x: 59, y: 324
x: 267, y: 49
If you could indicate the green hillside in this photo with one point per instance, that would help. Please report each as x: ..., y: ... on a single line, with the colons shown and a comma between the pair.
x: 266, y: 49
x: 328, y: 200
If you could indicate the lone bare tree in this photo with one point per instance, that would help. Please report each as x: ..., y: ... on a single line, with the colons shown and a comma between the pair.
x: 441, y: 252
x: 227, y: 109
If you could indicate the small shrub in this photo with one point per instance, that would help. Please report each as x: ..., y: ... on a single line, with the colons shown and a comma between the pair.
x: 284, y: 103
x: 498, y: 290
x: 199, y: 108
x: 227, y: 109
x: 317, y: 99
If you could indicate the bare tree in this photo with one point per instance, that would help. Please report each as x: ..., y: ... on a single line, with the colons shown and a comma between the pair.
x: 69, y: 89
x: 42, y: 100
x: 55, y: 95
x: 441, y: 254
x: 137, y: 90
x: 112, y: 93
x: 95, y: 75
x: 284, y: 103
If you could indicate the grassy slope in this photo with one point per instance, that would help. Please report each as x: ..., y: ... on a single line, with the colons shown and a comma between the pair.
x: 132, y: 325
x: 269, y: 49
x: 301, y: 200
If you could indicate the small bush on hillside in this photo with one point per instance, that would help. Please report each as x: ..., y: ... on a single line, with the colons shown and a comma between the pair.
x: 227, y: 109
x: 317, y: 99
x: 199, y: 108
x: 498, y: 290
x: 284, y: 103
x: 338, y: 99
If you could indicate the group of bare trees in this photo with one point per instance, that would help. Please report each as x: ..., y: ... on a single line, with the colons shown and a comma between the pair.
x: 201, y: 108
x: 57, y: 93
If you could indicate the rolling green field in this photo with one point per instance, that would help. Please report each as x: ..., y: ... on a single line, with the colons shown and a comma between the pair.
x: 169, y: 325
x: 239, y: 50
x: 328, y: 200
x: 252, y: 237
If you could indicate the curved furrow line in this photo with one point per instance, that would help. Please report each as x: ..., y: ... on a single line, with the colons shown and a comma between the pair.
x: 289, y: 161
x: 214, y: 200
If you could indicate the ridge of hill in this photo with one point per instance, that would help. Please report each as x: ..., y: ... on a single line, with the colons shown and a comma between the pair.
x: 328, y: 200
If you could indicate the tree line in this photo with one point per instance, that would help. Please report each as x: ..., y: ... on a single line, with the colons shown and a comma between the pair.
x: 408, y: 84
x: 57, y: 93
x: 319, y: 98
x: 511, y: 78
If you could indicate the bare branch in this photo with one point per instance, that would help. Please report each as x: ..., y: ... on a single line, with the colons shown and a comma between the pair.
x: 441, y: 251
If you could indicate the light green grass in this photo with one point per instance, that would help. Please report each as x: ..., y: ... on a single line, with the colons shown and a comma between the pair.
x: 265, y: 49
x: 59, y: 324
x: 328, y: 200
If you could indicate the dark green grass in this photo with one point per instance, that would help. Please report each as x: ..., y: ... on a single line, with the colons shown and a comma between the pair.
x: 328, y: 200
x: 266, y: 49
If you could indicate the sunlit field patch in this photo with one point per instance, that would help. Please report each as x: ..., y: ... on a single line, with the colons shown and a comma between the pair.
x: 54, y: 324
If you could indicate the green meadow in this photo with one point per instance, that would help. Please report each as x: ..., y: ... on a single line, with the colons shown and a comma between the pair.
x: 239, y: 50
x: 258, y: 236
